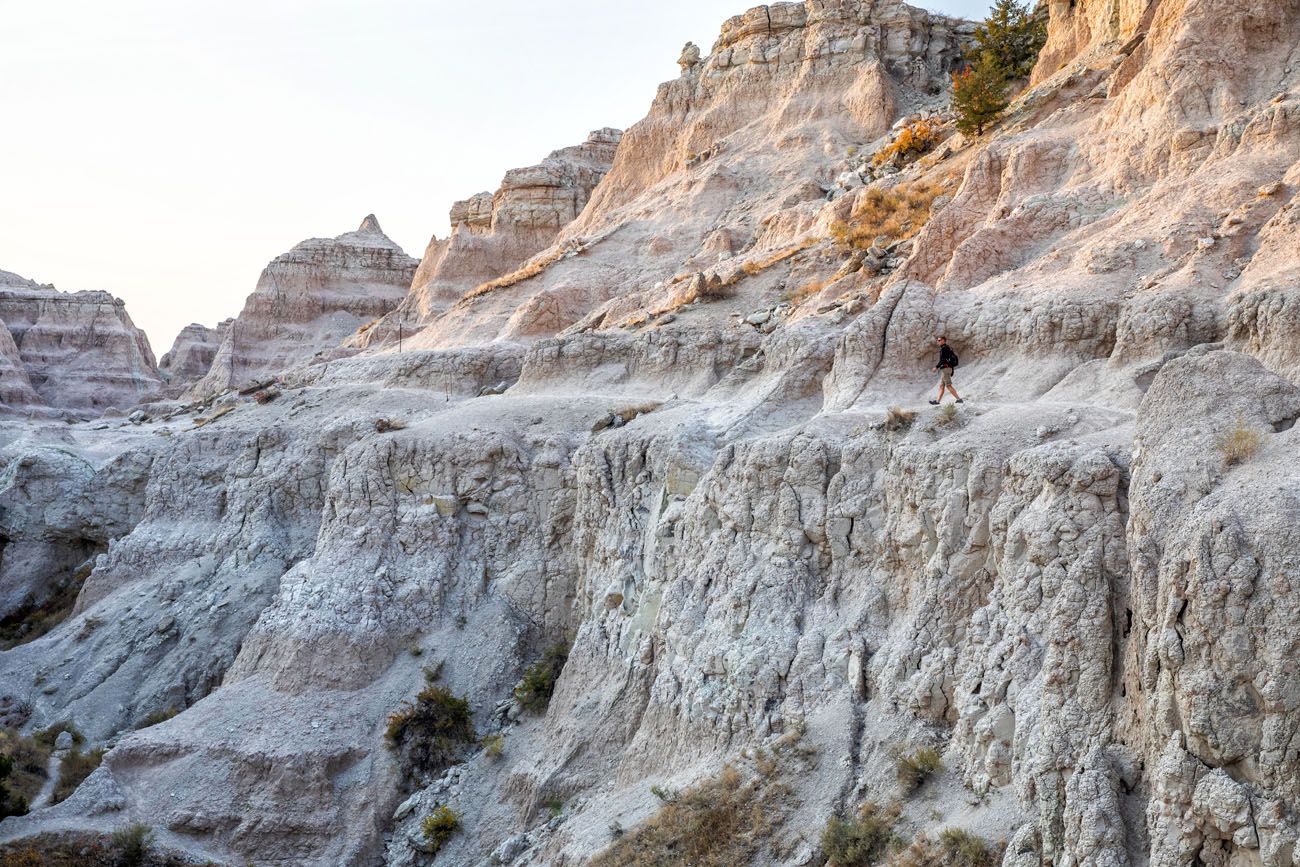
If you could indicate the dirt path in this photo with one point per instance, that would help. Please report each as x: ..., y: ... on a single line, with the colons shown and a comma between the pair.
x: 51, y: 780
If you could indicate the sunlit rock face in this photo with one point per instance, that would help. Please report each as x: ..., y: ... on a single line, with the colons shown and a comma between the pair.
x: 493, y: 234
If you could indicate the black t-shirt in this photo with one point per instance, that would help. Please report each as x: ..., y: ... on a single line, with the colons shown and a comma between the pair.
x: 947, y: 358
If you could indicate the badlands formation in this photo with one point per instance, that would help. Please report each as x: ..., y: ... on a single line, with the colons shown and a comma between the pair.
x: 661, y: 410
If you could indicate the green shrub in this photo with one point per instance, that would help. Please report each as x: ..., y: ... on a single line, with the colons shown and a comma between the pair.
x: 439, y: 827
x: 431, y: 732
x: 915, y: 769
x: 1013, y: 34
x: 979, y: 95
x: 538, y: 683
x: 11, y: 804
x: 862, y: 840
x: 132, y: 845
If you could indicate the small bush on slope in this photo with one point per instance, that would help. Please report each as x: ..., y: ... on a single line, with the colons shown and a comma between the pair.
x: 861, y: 840
x: 913, y: 140
x: 430, y: 732
x: 727, y: 821
x: 954, y: 848
x: 439, y: 826
x: 538, y: 684
x: 915, y: 769
x: 1239, y: 444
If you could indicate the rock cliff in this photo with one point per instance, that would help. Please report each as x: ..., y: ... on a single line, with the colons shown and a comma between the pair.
x: 74, y: 351
x: 308, y: 300
x: 192, y: 353
x: 493, y: 234
x: 683, y: 458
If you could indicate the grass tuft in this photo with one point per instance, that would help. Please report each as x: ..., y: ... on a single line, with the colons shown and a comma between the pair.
x: 440, y: 826
x: 535, y: 689
x: 861, y: 840
x: 1239, y: 444
x: 915, y: 769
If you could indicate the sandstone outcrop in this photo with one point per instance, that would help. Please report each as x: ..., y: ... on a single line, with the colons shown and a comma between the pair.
x: 710, y: 472
x: 75, y: 351
x: 493, y: 234
x: 308, y: 300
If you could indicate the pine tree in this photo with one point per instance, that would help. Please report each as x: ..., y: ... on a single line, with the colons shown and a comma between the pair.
x: 1013, y: 33
x: 979, y: 94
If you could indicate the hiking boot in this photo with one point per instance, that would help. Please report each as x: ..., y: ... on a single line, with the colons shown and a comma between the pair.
x: 934, y: 403
x: 959, y: 400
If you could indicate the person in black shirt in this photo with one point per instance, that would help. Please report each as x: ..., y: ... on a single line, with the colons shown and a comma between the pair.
x: 947, y: 364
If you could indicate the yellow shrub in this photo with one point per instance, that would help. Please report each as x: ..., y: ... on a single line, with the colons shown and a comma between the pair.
x: 913, y: 140
x: 896, y: 214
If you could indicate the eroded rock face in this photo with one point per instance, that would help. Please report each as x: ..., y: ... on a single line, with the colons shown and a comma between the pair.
x: 493, y: 234
x: 755, y: 128
x: 309, y: 300
x: 192, y: 353
x: 74, y: 351
x: 740, y: 509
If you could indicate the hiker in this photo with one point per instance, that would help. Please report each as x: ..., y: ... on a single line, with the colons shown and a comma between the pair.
x: 947, y: 364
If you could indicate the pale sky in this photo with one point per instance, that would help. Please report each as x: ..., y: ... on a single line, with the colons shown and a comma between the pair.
x: 166, y: 151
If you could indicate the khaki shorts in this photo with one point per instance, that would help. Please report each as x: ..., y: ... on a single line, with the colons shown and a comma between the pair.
x: 945, y: 376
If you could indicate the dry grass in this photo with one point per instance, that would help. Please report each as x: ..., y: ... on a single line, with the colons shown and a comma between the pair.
x: 1239, y: 444
x: 27, y: 773
x: 757, y: 266
x: 861, y: 840
x: 723, y: 822
x: 730, y: 820
x: 431, y: 732
x: 948, y: 413
x: 798, y: 296
x: 534, y: 690
x: 912, y: 141
x: 915, y: 769
x: 954, y: 848
x: 72, y: 849
x: 73, y: 770
x: 494, y: 746
x: 894, y: 214
x: 530, y: 269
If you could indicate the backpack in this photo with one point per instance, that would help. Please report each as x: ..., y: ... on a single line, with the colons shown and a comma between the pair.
x: 950, y: 357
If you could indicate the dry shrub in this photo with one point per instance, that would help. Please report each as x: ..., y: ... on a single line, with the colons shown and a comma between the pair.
x: 897, y: 418
x: 912, y: 141
x: 530, y: 269
x: 948, y: 413
x: 1239, y: 444
x: 915, y: 769
x: 861, y: 840
x: 954, y: 848
x: 723, y: 822
x: 896, y: 214
x: 27, y: 771
x: 534, y: 690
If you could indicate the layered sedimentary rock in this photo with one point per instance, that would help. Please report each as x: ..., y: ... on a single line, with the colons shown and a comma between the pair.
x: 731, y: 498
x: 759, y: 125
x: 192, y: 353
x: 76, y: 351
x: 309, y: 300
x: 493, y: 234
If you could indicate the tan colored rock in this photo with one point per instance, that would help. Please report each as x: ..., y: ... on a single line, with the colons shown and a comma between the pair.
x: 493, y: 234
x: 309, y: 300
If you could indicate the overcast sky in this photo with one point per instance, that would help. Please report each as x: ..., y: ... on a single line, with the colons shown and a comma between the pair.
x: 165, y: 151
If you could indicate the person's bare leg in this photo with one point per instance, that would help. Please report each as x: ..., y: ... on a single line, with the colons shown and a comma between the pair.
x: 940, y: 397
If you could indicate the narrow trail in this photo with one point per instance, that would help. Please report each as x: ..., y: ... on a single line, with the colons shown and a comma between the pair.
x: 52, y: 767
